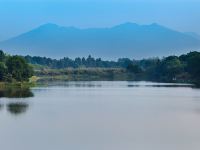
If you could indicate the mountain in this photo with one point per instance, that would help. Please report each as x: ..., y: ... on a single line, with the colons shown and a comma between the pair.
x: 124, y: 40
x: 195, y: 35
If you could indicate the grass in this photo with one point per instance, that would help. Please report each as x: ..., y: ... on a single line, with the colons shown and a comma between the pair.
x: 24, y: 84
x: 84, y: 74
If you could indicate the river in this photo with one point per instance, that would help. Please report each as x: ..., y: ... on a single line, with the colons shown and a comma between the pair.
x: 101, y: 115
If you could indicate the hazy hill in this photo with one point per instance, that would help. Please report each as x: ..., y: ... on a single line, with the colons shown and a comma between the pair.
x: 195, y: 35
x: 125, y: 40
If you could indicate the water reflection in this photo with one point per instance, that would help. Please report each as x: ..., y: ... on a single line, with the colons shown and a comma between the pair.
x: 17, y: 108
x: 1, y: 106
x: 161, y: 85
x: 107, y: 84
x: 16, y: 92
x: 113, y: 116
x: 71, y: 84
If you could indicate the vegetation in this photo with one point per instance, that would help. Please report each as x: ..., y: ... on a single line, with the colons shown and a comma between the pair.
x: 78, y: 62
x: 184, y: 68
x: 14, y: 68
x: 85, y: 74
x: 13, y: 92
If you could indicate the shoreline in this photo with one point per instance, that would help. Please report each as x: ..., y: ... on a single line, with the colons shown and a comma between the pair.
x: 16, y: 84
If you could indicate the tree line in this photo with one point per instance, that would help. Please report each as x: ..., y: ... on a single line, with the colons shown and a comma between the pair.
x: 184, y: 68
x: 78, y: 62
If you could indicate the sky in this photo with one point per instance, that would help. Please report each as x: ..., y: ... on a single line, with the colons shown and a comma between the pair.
x: 19, y: 16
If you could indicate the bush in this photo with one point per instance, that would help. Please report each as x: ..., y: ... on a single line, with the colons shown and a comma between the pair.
x: 2, y: 71
x: 19, y: 68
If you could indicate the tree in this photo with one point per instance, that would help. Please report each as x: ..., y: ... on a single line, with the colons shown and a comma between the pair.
x: 168, y: 69
x: 2, y: 71
x: 2, y: 56
x: 134, y: 68
x: 19, y: 68
x: 193, y: 66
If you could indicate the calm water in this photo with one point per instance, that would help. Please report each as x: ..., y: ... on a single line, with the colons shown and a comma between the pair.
x: 101, y: 116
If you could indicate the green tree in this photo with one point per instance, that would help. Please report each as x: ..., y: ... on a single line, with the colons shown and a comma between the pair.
x: 168, y: 69
x: 193, y: 66
x: 2, y: 71
x: 134, y: 68
x: 19, y: 68
x: 2, y: 56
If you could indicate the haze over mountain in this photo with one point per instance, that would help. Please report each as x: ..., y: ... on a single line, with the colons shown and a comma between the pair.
x: 193, y: 34
x: 124, y: 40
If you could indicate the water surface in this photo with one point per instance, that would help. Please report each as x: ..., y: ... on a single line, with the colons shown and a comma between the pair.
x: 101, y: 116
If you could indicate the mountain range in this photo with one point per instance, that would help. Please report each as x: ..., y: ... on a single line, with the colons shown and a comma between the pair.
x: 125, y: 40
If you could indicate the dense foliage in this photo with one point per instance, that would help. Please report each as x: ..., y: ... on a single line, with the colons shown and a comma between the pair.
x: 185, y: 68
x: 78, y: 62
x: 85, y: 74
x: 14, y: 68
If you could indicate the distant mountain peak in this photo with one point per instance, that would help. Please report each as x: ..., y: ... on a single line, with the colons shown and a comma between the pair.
x: 155, y: 24
x: 124, y: 40
x: 123, y: 25
x: 126, y: 24
x: 52, y: 26
x: 129, y: 24
x: 48, y: 25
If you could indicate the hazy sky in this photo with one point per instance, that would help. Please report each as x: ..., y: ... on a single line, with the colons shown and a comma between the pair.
x: 17, y: 16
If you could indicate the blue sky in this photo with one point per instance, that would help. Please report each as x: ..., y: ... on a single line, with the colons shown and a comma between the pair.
x: 18, y: 16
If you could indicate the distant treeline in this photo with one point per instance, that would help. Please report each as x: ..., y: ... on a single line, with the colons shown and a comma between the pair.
x: 184, y: 68
x: 78, y: 62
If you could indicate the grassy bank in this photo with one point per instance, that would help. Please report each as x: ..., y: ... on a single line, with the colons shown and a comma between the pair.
x: 16, y: 84
x: 85, y: 74
x: 25, y: 84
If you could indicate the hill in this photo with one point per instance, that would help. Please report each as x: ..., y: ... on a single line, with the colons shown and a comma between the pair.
x: 125, y: 40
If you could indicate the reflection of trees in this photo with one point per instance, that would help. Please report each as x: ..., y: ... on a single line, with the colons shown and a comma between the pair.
x: 16, y: 92
x: 1, y: 106
x: 17, y: 108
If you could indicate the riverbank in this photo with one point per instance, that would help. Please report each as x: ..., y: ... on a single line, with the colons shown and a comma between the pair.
x: 100, y: 74
x: 85, y: 74
x: 24, y: 84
